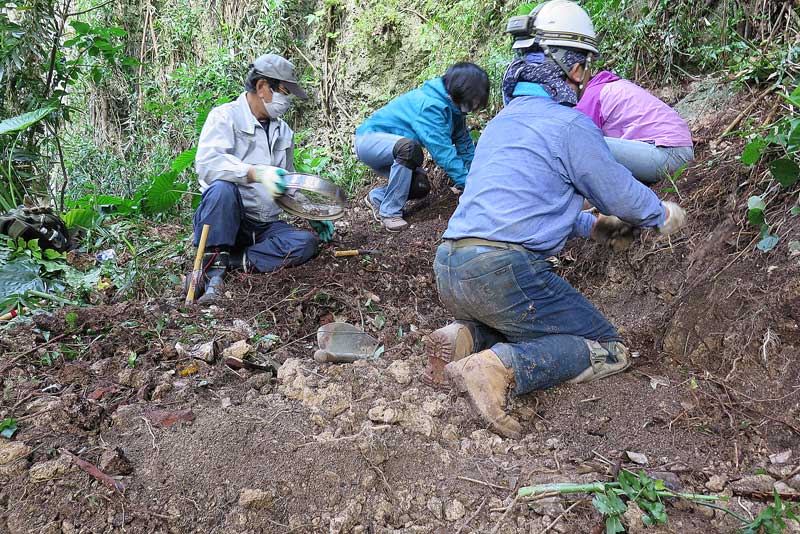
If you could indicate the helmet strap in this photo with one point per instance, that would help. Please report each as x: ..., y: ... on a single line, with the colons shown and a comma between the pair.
x: 587, y: 67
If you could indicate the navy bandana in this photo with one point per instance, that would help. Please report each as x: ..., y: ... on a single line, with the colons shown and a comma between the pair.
x: 533, y: 68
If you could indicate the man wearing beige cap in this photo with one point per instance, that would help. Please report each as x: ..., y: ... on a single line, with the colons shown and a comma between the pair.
x: 244, y: 150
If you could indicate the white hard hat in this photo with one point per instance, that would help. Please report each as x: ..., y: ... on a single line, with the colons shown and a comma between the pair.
x: 559, y: 23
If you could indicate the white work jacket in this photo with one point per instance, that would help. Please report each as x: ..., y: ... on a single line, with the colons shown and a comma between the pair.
x: 232, y: 140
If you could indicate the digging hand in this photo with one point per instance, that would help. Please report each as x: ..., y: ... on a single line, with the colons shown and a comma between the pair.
x: 271, y: 177
x: 324, y: 229
x: 676, y: 218
x: 613, y: 232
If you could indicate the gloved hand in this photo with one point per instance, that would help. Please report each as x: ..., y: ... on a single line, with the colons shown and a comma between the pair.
x: 613, y: 232
x: 271, y: 177
x: 676, y: 218
x: 324, y: 229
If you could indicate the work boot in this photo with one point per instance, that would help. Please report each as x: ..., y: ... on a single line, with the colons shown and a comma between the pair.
x: 373, y: 208
x: 605, y: 359
x: 485, y: 380
x: 448, y: 344
x: 214, y: 265
x: 394, y: 224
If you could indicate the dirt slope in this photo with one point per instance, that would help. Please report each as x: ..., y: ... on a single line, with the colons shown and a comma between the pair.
x: 367, y: 447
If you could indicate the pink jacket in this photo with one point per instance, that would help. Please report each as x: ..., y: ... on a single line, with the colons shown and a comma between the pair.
x: 623, y: 110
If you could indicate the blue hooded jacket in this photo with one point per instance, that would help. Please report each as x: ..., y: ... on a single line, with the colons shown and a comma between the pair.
x: 429, y: 116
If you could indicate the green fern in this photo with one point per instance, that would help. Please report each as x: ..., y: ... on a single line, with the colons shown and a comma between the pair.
x: 163, y: 193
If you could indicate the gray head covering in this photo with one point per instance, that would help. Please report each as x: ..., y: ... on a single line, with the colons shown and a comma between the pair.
x: 279, y: 68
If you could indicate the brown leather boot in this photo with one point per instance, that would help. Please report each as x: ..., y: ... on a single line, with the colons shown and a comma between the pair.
x: 485, y: 380
x: 448, y: 344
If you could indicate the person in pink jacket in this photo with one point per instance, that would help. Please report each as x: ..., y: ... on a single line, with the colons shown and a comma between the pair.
x: 644, y: 134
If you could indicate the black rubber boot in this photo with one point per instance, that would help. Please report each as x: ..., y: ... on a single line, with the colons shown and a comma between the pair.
x: 215, y: 264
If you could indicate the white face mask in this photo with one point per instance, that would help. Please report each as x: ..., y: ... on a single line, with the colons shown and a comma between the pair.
x: 279, y: 105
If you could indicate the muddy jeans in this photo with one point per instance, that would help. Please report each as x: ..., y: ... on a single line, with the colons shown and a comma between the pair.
x: 533, y: 319
x: 647, y: 162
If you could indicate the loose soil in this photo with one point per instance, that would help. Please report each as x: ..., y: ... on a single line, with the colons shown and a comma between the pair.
x: 367, y: 447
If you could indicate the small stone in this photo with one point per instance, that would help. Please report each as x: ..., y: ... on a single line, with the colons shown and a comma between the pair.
x: 434, y: 505
x: 794, y: 482
x: 256, y: 499
x: 450, y: 433
x: 114, y: 462
x: 258, y: 381
x: 401, y: 372
x: 243, y: 328
x: 50, y: 469
x: 454, y: 510
x: 637, y: 457
x: 784, y: 489
x: 226, y: 402
x: 12, y: 451
x: 161, y: 390
x: 671, y: 480
x: 753, y: 484
x: 716, y: 483
x: 780, y: 458
x: 382, y: 414
x: 236, y: 350
x: 551, y: 506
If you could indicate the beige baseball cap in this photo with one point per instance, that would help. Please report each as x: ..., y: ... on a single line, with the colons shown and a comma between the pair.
x: 279, y: 68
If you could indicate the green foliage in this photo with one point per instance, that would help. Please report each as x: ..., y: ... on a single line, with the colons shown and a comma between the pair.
x: 779, y: 145
x: 8, y: 427
x: 25, y: 121
x: 771, y: 520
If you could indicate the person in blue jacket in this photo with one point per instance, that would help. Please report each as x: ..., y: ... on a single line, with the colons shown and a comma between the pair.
x: 519, y: 325
x: 433, y: 116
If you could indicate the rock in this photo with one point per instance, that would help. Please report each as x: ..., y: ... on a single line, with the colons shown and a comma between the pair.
x: 382, y: 414
x: 11, y: 451
x: 243, y: 328
x: 161, y: 391
x: 551, y: 506
x: 434, y: 407
x: 258, y: 381
x: 401, y: 372
x: 671, y: 480
x: 454, y: 510
x: 716, y: 483
x: 207, y: 352
x: 780, y: 458
x: 794, y: 482
x: 450, y: 433
x: 637, y: 457
x: 784, y: 489
x: 226, y: 402
x: 236, y: 350
x: 256, y: 499
x: 434, y: 505
x: 552, y: 443
x: 114, y: 462
x: 50, y: 469
x: 779, y: 472
x: 633, y: 519
x: 753, y: 484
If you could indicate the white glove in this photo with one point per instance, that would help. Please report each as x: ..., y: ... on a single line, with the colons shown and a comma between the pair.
x: 271, y: 177
x: 676, y: 218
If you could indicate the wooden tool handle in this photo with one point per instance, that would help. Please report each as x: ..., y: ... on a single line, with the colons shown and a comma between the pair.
x: 198, y: 263
x: 345, y: 253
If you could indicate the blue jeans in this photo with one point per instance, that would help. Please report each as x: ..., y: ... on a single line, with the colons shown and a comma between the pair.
x: 376, y: 150
x: 647, y: 162
x: 533, y: 319
x: 268, y: 246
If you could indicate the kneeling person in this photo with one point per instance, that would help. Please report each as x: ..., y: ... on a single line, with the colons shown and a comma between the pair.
x: 390, y: 142
x: 518, y: 324
x: 244, y: 150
